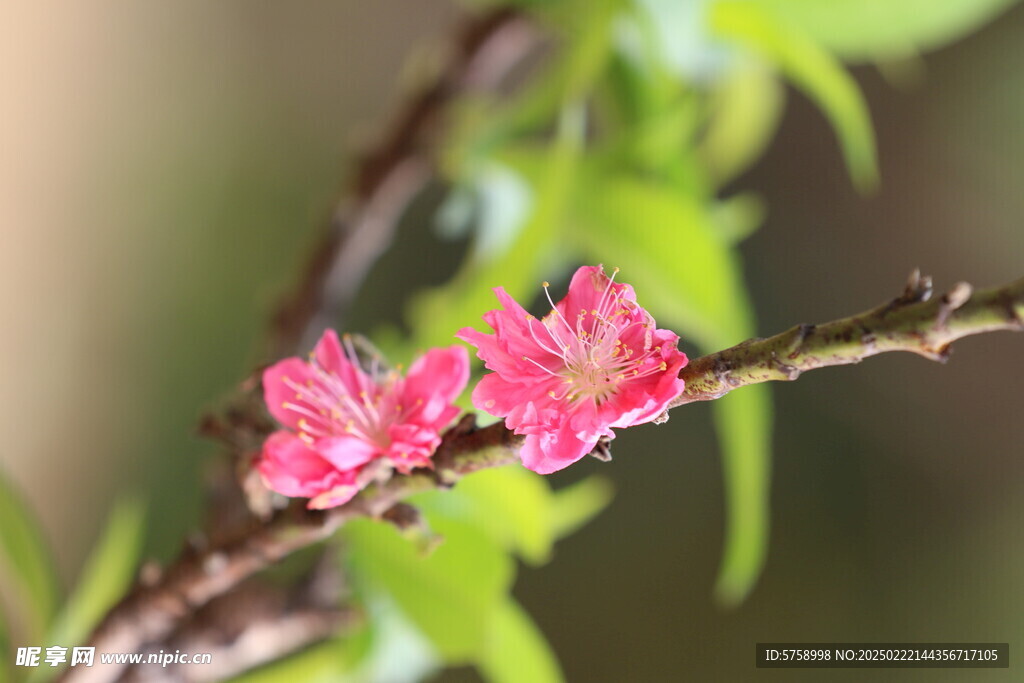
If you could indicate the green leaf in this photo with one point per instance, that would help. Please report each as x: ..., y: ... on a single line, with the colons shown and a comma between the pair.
x: 863, y: 30
x: 684, y: 270
x: 738, y: 216
x: 811, y: 69
x: 24, y: 552
x: 511, y: 504
x: 516, y: 650
x: 743, y: 422
x: 578, y: 503
x: 449, y: 594
x: 107, y: 573
x: 746, y: 106
x: 436, y: 315
x: 318, y: 664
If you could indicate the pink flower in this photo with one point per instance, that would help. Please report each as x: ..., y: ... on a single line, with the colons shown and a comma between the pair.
x: 596, y: 361
x: 346, y: 425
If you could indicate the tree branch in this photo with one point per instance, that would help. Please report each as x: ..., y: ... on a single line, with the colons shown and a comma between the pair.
x: 153, y: 610
x: 912, y: 322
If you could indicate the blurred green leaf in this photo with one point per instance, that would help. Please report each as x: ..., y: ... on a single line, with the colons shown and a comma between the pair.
x: 437, y: 314
x: 737, y: 217
x: 516, y: 650
x: 578, y: 503
x: 811, y: 69
x: 106, y: 576
x: 318, y: 664
x: 684, y: 270
x: 862, y: 30
x: 743, y: 422
x: 495, y: 203
x: 390, y: 648
x: 746, y: 106
x: 449, y: 594
x: 25, y: 554
x: 512, y: 504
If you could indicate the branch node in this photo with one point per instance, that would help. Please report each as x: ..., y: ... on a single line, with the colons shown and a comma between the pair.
x: 603, y: 449
x: 722, y: 370
x: 800, y: 334
x: 951, y: 301
x: 150, y: 573
x: 214, y: 563
x: 918, y: 288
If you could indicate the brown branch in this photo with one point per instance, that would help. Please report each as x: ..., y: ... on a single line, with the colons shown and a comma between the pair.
x: 256, y: 623
x: 152, y: 611
x: 912, y: 322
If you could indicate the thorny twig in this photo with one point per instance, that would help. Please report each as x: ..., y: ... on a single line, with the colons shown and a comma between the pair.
x: 912, y: 322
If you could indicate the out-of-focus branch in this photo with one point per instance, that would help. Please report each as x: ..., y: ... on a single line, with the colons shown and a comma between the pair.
x: 913, y: 322
x: 154, y: 610
x: 256, y: 623
x: 363, y: 223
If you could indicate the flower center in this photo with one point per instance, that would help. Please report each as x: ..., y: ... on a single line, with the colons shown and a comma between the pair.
x: 329, y: 408
x: 596, y: 360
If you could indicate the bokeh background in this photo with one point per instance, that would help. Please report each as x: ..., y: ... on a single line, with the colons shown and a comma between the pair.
x: 165, y: 168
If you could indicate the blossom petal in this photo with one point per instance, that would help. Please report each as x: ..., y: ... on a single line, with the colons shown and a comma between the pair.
x: 282, y: 385
x: 330, y: 356
x: 288, y: 466
x: 441, y: 373
x: 339, y: 495
x: 554, y: 450
x: 586, y: 289
x: 345, y: 452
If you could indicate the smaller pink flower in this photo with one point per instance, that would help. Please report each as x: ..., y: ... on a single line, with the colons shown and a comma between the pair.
x: 596, y: 361
x: 347, y: 426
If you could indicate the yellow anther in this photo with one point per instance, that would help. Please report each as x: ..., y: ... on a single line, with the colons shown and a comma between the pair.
x: 545, y: 284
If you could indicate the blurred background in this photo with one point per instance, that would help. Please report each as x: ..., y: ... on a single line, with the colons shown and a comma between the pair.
x: 165, y: 169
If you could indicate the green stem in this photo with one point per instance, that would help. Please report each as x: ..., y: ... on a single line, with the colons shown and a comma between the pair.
x: 913, y: 322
